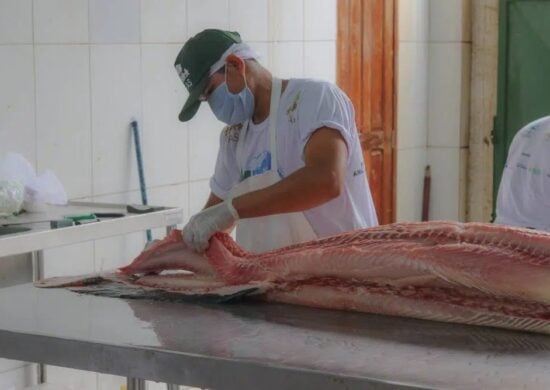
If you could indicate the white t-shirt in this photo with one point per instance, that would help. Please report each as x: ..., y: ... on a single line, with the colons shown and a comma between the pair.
x: 305, y: 106
x: 524, y: 193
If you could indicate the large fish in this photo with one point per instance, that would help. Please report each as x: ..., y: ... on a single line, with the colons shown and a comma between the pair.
x: 471, y: 273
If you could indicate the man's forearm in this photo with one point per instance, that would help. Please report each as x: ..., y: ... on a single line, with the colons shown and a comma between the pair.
x: 212, y: 201
x: 304, y: 189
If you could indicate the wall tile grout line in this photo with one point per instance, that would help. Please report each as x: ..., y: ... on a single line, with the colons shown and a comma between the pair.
x: 140, y: 118
x: 187, y: 127
x: 35, y: 89
x: 90, y: 75
x: 303, y: 38
x: 181, y: 43
x: 91, y: 132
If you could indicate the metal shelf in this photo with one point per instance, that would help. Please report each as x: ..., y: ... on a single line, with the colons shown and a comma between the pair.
x: 41, y: 236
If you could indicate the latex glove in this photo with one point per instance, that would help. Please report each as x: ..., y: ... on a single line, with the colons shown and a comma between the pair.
x: 203, y: 225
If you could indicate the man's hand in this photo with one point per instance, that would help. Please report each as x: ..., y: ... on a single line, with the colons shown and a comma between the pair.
x: 203, y: 225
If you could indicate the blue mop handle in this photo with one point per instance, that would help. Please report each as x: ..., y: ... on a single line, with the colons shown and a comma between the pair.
x: 142, y: 186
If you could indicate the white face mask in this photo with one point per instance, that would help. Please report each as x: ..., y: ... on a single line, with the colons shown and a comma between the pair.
x: 232, y: 108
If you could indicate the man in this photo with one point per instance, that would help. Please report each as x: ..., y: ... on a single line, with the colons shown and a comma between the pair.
x: 290, y: 167
x: 524, y: 194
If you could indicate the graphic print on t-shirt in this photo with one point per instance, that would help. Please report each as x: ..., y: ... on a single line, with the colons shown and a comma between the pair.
x: 257, y: 165
x: 233, y: 132
x: 291, y: 110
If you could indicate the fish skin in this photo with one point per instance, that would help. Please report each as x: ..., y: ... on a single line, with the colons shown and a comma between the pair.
x: 77, y: 281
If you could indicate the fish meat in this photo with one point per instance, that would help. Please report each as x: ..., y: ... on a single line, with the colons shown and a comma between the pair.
x: 471, y: 273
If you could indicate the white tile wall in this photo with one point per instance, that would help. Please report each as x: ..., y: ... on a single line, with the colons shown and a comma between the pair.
x: 204, y: 140
x: 15, y: 21
x: 17, y: 130
x: 319, y: 20
x: 320, y: 60
x: 17, y: 378
x: 131, y: 197
x: 115, y: 21
x: 412, y: 107
x: 445, y: 194
x: 176, y: 196
x: 63, y: 115
x: 73, y: 379
x: 249, y: 18
x: 61, y: 21
x: 110, y: 382
x: 198, y: 195
x: 412, y: 98
x: 433, y: 96
x: 163, y: 21
x: 262, y: 48
x: 410, y: 178
x: 449, y: 100
x: 286, y: 18
x: 202, y: 14
x: 8, y: 365
x: 413, y: 19
x: 114, y: 252
x: 165, y: 138
x: 287, y: 59
x: 450, y: 20
x: 115, y: 81
x: 69, y: 260
x: 448, y: 94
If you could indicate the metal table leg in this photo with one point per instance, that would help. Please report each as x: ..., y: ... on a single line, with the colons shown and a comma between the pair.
x: 169, y: 228
x: 135, y: 384
x: 37, y: 274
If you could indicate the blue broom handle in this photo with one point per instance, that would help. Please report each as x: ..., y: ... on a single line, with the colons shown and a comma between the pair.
x: 142, y: 186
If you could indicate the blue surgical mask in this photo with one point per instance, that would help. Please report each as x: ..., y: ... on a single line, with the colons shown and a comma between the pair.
x: 231, y: 108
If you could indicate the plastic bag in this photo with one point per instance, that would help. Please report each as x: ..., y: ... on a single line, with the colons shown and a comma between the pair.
x: 37, y: 190
x: 11, y: 197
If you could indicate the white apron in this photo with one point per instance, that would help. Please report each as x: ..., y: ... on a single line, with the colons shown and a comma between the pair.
x: 274, y: 231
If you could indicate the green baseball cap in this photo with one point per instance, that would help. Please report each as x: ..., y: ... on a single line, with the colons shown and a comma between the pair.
x: 194, y: 61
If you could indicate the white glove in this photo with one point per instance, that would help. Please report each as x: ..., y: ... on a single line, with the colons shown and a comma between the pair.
x: 203, y: 225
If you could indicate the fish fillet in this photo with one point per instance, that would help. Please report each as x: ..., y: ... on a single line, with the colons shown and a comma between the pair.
x: 471, y: 273
x: 490, y: 258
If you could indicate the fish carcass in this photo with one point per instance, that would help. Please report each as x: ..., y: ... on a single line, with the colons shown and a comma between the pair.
x: 470, y: 273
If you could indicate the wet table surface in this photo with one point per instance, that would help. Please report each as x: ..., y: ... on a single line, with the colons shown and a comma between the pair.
x: 252, y: 345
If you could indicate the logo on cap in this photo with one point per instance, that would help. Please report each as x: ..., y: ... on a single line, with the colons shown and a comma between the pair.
x: 184, y: 76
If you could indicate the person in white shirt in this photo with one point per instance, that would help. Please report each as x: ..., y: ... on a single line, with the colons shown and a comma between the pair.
x: 290, y: 166
x: 524, y: 193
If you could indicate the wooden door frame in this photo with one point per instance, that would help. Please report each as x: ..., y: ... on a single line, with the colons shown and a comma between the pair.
x: 352, y: 25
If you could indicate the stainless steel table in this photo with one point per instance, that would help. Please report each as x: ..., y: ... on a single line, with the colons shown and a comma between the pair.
x: 252, y: 345
x: 41, y: 236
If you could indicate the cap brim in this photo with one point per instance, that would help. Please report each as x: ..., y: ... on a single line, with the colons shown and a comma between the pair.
x: 193, y: 103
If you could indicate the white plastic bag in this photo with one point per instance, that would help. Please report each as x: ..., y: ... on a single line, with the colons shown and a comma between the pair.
x: 11, y: 197
x: 38, y: 190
